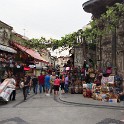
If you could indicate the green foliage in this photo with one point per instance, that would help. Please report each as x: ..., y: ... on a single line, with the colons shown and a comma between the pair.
x: 97, y: 27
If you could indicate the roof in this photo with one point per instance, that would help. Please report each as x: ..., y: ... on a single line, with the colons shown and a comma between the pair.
x: 97, y: 7
x: 31, y: 52
x: 7, y: 49
x: 8, y: 26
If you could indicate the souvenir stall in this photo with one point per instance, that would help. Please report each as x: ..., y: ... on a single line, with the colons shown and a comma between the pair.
x: 76, y: 86
x: 6, y: 64
x: 108, y: 91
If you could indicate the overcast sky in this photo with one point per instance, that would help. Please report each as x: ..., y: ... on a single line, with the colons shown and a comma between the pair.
x: 48, y: 18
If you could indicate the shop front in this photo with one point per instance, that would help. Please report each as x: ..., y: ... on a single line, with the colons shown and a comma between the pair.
x: 7, y: 61
x: 28, y: 59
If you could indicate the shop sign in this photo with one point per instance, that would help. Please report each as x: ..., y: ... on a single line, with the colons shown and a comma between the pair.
x: 26, y: 68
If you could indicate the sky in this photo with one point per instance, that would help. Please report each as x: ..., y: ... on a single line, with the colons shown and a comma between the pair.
x: 47, y: 18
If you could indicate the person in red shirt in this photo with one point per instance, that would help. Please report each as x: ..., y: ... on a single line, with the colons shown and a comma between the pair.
x: 56, y: 85
x: 41, y: 80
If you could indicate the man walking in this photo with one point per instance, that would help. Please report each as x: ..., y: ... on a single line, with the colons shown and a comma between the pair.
x: 41, y: 80
x: 35, y: 84
x: 66, y: 83
x: 47, y: 84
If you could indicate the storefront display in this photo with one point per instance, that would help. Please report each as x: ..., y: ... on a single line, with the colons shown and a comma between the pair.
x: 106, y: 92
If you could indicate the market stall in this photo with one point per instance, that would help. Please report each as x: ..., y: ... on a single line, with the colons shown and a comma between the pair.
x: 108, y: 91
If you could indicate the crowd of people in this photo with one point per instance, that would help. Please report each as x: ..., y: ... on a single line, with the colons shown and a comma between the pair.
x: 50, y: 82
x: 45, y: 83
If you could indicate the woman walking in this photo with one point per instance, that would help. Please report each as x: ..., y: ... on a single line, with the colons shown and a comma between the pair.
x: 62, y: 83
x: 56, y: 85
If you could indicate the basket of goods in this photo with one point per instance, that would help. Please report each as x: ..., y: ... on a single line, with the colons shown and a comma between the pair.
x: 88, y: 93
x: 76, y: 89
x: 97, y: 82
x: 80, y: 83
x: 72, y: 89
x: 107, y: 97
x: 99, y: 97
x: 76, y: 82
x: 104, y: 89
x: 90, y: 70
x: 94, y: 96
x: 84, y: 92
x: 93, y: 88
x: 92, y: 75
x: 97, y: 89
x: 80, y: 90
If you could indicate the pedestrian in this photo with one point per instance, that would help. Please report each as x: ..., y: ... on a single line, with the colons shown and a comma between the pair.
x: 62, y: 84
x: 52, y: 78
x: 56, y: 85
x: 47, y: 84
x: 28, y: 80
x: 41, y: 80
x: 66, y: 83
x: 13, y: 86
x: 25, y: 85
x: 35, y: 83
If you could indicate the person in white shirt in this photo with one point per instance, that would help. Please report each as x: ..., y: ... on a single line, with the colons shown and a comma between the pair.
x: 13, y: 86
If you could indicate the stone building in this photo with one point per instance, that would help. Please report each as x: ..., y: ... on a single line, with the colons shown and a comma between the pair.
x: 7, y: 53
x: 110, y: 49
x: 78, y: 56
x: 61, y: 61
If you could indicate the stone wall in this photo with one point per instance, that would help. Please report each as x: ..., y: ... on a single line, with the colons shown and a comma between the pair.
x: 106, y: 50
x: 78, y: 56
x: 5, y: 33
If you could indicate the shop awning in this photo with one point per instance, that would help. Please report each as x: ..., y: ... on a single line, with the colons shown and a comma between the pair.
x: 31, y: 52
x: 7, y: 49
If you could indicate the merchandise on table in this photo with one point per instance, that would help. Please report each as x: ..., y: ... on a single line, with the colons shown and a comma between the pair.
x: 106, y: 92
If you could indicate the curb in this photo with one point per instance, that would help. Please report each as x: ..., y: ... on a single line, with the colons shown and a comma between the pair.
x: 92, y: 105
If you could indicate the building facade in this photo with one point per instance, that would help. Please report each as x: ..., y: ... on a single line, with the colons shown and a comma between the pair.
x: 61, y: 61
x: 7, y: 53
x: 110, y: 48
